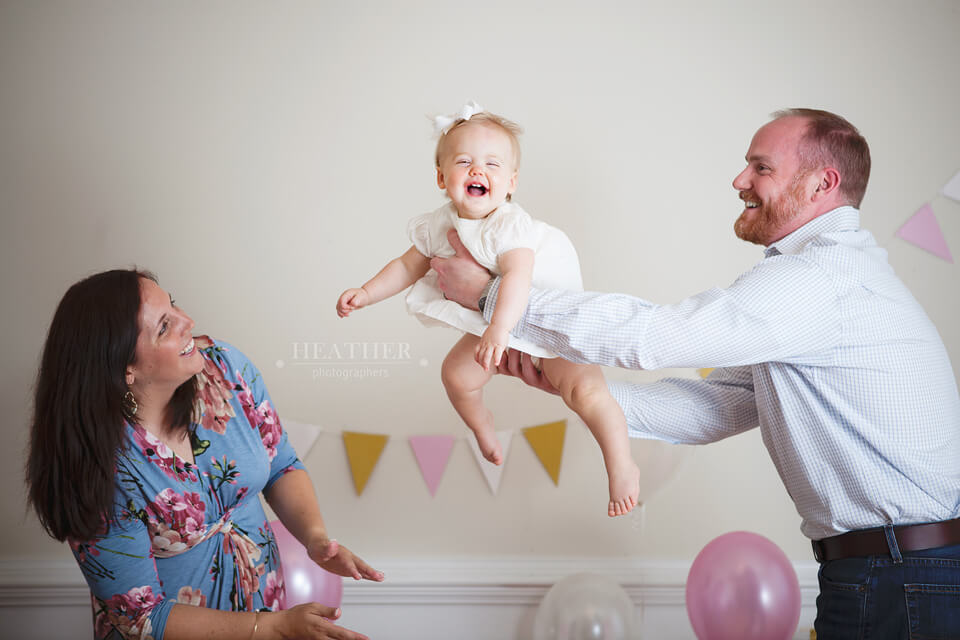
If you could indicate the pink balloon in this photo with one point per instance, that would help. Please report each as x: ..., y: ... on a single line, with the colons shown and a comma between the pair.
x: 741, y: 585
x: 305, y: 581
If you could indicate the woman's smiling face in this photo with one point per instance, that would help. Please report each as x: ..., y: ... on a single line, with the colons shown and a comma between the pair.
x: 166, y: 356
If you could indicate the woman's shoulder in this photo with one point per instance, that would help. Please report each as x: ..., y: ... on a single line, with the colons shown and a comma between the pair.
x: 221, y: 352
x: 209, y: 345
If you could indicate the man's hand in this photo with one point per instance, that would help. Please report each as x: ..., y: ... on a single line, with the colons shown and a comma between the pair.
x: 520, y: 365
x: 460, y: 277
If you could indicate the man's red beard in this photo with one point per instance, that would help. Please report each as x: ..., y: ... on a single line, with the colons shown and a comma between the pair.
x: 763, y: 224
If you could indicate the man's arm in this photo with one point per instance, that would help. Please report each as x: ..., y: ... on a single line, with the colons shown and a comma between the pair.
x: 784, y: 309
x: 684, y: 411
x: 675, y: 410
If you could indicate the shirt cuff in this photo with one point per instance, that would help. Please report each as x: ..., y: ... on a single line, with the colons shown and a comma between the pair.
x: 488, y: 298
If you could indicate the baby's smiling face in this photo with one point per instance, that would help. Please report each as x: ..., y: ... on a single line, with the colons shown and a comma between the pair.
x: 477, y: 169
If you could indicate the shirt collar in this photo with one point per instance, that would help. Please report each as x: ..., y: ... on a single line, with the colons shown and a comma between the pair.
x: 844, y: 218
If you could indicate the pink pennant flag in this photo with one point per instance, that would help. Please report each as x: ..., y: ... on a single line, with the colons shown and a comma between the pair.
x: 923, y: 230
x: 432, y: 453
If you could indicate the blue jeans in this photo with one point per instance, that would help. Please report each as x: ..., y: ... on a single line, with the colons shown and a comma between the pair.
x: 915, y: 596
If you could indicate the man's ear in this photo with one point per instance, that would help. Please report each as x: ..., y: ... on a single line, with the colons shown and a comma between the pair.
x: 828, y: 184
x: 440, y: 182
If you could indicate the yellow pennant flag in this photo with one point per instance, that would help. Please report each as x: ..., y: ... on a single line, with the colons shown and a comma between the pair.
x: 363, y: 452
x: 547, y: 443
x: 705, y: 371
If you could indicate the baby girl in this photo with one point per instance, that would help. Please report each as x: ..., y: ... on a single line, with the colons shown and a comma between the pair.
x: 477, y: 158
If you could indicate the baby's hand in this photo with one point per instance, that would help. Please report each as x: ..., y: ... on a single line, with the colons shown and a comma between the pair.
x: 492, y: 344
x: 350, y: 300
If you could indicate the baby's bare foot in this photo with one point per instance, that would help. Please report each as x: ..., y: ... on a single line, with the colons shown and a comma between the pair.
x: 490, y: 445
x: 624, y: 487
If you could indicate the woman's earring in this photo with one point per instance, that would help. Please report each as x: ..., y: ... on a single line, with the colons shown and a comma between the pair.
x: 130, y: 404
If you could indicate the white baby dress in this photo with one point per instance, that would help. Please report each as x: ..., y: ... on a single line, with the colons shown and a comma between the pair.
x: 509, y: 227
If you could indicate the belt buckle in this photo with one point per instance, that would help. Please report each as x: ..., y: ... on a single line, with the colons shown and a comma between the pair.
x: 817, y: 550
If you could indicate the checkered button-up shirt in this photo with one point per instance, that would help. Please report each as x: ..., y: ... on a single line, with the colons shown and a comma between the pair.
x: 820, y: 345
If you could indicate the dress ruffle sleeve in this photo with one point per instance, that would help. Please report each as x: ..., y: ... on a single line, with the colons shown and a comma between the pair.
x: 510, y: 228
x: 418, y: 229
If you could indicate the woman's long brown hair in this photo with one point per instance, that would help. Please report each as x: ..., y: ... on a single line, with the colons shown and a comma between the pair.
x: 78, y: 421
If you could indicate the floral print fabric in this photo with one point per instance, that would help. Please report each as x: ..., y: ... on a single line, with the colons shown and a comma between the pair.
x: 193, y: 533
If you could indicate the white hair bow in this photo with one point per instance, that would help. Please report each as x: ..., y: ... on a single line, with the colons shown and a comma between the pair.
x: 442, y: 124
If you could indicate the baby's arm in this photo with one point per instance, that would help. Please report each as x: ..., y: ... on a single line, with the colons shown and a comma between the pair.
x: 399, y: 274
x: 516, y: 268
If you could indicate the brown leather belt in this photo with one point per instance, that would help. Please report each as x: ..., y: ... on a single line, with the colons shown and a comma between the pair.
x: 873, y: 542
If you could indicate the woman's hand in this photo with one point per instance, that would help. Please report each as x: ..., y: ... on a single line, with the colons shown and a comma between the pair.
x: 337, y: 559
x: 311, y: 621
x: 492, y: 344
x: 351, y: 300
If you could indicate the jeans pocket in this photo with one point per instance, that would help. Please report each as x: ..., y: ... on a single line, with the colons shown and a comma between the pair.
x: 840, y: 610
x: 933, y: 611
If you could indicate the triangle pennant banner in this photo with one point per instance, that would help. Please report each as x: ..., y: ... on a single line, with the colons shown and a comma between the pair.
x: 492, y: 472
x: 301, y: 436
x: 547, y: 443
x: 363, y: 452
x: 952, y: 188
x: 432, y: 453
x: 923, y: 230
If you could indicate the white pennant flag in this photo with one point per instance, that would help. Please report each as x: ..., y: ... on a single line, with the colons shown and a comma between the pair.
x: 302, y: 436
x: 492, y: 472
x: 952, y: 188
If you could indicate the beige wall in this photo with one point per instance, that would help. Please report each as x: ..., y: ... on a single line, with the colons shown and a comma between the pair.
x: 262, y: 157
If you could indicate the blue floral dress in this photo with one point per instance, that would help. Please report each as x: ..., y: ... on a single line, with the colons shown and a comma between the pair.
x: 193, y: 533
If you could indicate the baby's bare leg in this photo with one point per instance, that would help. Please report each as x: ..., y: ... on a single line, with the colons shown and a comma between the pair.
x: 585, y: 391
x: 464, y: 378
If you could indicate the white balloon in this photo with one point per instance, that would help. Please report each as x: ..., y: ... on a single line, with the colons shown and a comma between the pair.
x: 585, y: 606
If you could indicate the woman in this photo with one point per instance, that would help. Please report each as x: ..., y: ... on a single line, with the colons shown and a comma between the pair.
x: 148, y: 449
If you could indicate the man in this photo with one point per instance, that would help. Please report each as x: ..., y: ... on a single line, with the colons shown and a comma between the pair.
x: 823, y: 348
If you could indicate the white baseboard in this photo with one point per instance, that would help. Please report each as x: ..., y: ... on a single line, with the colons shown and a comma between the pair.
x: 503, y: 592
